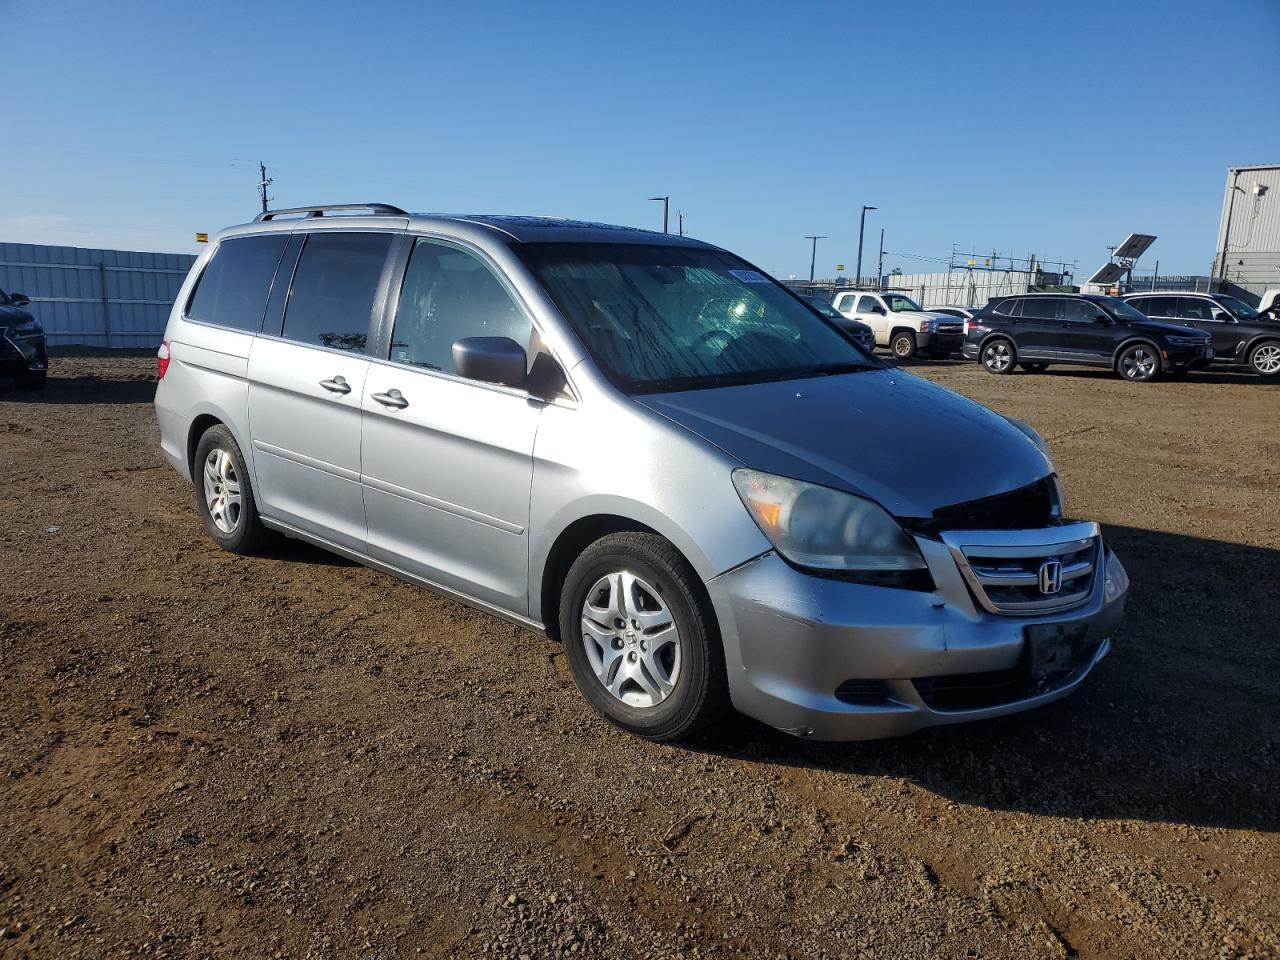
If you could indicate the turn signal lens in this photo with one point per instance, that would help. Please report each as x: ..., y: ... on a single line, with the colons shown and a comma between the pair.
x: 162, y: 360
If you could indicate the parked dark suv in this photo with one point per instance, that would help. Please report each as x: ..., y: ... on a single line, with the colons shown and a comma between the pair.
x: 23, y: 354
x: 1034, y: 330
x: 1241, y: 337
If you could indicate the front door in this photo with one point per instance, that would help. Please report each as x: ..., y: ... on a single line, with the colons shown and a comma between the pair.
x: 873, y: 313
x: 1087, y: 331
x: 305, y: 386
x: 1206, y: 315
x: 447, y: 462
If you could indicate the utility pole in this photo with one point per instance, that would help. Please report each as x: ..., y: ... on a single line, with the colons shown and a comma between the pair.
x: 813, y: 257
x: 666, y: 206
x: 680, y: 221
x: 263, y: 183
x: 880, y: 262
x: 1226, y: 229
x: 862, y: 225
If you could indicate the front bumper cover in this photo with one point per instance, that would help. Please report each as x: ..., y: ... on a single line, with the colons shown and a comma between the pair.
x: 791, y: 639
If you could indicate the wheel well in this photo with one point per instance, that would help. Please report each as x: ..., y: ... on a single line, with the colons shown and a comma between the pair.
x: 897, y: 330
x: 198, y: 427
x: 1115, y: 358
x: 1255, y: 343
x: 992, y: 337
x: 568, y: 546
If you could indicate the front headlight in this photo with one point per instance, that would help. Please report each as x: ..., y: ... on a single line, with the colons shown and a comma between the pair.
x: 927, y: 325
x: 826, y: 529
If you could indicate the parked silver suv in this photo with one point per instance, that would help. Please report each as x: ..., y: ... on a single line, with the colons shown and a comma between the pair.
x: 644, y: 447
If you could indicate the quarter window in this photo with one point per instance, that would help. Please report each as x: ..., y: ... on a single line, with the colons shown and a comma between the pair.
x: 449, y: 294
x: 232, y: 291
x: 1009, y: 308
x: 331, y: 300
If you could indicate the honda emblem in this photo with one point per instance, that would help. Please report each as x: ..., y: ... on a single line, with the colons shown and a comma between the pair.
x: 1050, y: 577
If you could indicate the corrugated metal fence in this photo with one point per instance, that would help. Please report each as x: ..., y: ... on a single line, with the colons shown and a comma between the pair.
x: 102, y: 298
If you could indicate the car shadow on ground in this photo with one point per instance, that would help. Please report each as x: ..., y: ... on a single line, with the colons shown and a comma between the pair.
x: 82, y: 390
x: 1180, y: 724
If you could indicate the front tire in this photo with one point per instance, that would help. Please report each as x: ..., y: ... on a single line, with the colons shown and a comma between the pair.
x: 998, y: 356
x: 1139, y: 363
x: 903, y: 345
x: 1264, y: 359
x: 224, y: 494
x: 641, y: 637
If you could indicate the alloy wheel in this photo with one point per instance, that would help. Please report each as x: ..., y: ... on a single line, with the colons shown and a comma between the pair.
x: 1138, y: 364
x: 997, y: 356
x: 222, y: 490
x: 1266, y: 359
x: 631, y: 640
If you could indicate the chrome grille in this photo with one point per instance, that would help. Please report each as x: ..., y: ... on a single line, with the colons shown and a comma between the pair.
x: 1025, y: 572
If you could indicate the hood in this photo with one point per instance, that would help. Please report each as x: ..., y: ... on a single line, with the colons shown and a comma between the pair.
x: 1170, y: 329
x: 11, y: 316
x: 907, y: 444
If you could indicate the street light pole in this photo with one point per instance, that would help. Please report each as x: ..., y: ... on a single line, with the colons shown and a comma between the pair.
x: 880, y: 262
x: 813, y: 258
x: 666, y: 204
x: 862, y: 225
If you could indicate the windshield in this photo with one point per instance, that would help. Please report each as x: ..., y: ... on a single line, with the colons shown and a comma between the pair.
x: 900, y: 304
x: 1240, y: 309
x: 1120, y: 309
x: 658, y: 317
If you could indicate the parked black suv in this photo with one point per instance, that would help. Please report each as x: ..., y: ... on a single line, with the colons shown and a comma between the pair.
x: 23, y: 352
x: 1240, y: 334
x: 1034, y: 330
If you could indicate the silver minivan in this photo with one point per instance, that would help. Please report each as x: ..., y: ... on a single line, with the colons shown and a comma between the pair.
x: 643, y: 447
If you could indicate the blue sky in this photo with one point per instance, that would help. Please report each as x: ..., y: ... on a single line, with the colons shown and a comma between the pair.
x: 1053, y: 129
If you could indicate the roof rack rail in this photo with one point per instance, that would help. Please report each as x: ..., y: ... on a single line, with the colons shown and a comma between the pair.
x: 319, y: 210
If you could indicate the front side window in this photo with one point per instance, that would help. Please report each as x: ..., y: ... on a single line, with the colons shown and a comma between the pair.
x: 232, y: 291
x: 1079, y: 311
x: 900, y: 304
x: 331, y: 300
x: 1119, y: 309
x: 449, y: 294
x: 1238, y: 308
x: 661, y: 317
x: 868, y: 305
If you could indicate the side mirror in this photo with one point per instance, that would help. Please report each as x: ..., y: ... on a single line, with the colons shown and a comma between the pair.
x: 490, y: 360
x: 1223, y: 317
x: 19, y: 299
x: 878, y: 309
x: 1103, y: 320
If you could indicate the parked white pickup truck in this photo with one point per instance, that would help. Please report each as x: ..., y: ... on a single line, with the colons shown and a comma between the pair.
x: 901, y: 324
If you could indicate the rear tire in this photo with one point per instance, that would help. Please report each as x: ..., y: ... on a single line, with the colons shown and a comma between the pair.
x: 1264, y: 359
x: 641, y: 637
x: 903, y: 345
x: 998, y: 356
x: 224, y: 494
x: 1139, y: 363
x: 1034, y: 367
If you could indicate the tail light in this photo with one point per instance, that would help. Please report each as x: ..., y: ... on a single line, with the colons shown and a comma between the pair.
x: 162, y: 359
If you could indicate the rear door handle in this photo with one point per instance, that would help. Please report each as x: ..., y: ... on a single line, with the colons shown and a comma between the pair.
x: 392, y: 398
x: 337, y: 385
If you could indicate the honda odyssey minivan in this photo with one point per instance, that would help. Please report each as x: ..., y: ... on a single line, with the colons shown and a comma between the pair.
x: 643, y: 447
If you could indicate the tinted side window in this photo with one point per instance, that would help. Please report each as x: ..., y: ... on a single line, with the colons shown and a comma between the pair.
x: 1193, y: 308
x: 232, y: 291
x: 1154, y: 306
x: 1079, y: 311
x: 1040, y: 308
x: 331, y: 300
x: 867, y: 305
x: 1009, y: 308
x: 449, y: 294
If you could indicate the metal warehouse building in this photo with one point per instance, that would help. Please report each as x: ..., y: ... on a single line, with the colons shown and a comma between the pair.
x: 100, y: 298
x: 1248, y: 251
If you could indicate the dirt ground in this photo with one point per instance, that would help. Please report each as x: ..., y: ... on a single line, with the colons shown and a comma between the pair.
x: 203, y: 755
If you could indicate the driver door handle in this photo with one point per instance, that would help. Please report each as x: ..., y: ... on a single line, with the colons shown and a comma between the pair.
x: 392, y: 398
x: 337, y: 385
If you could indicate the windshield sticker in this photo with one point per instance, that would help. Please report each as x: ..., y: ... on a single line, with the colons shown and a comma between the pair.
x: 749, y: 276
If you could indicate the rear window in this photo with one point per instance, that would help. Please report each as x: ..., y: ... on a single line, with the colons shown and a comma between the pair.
x: 331, y: 299
x: 232, y: 291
